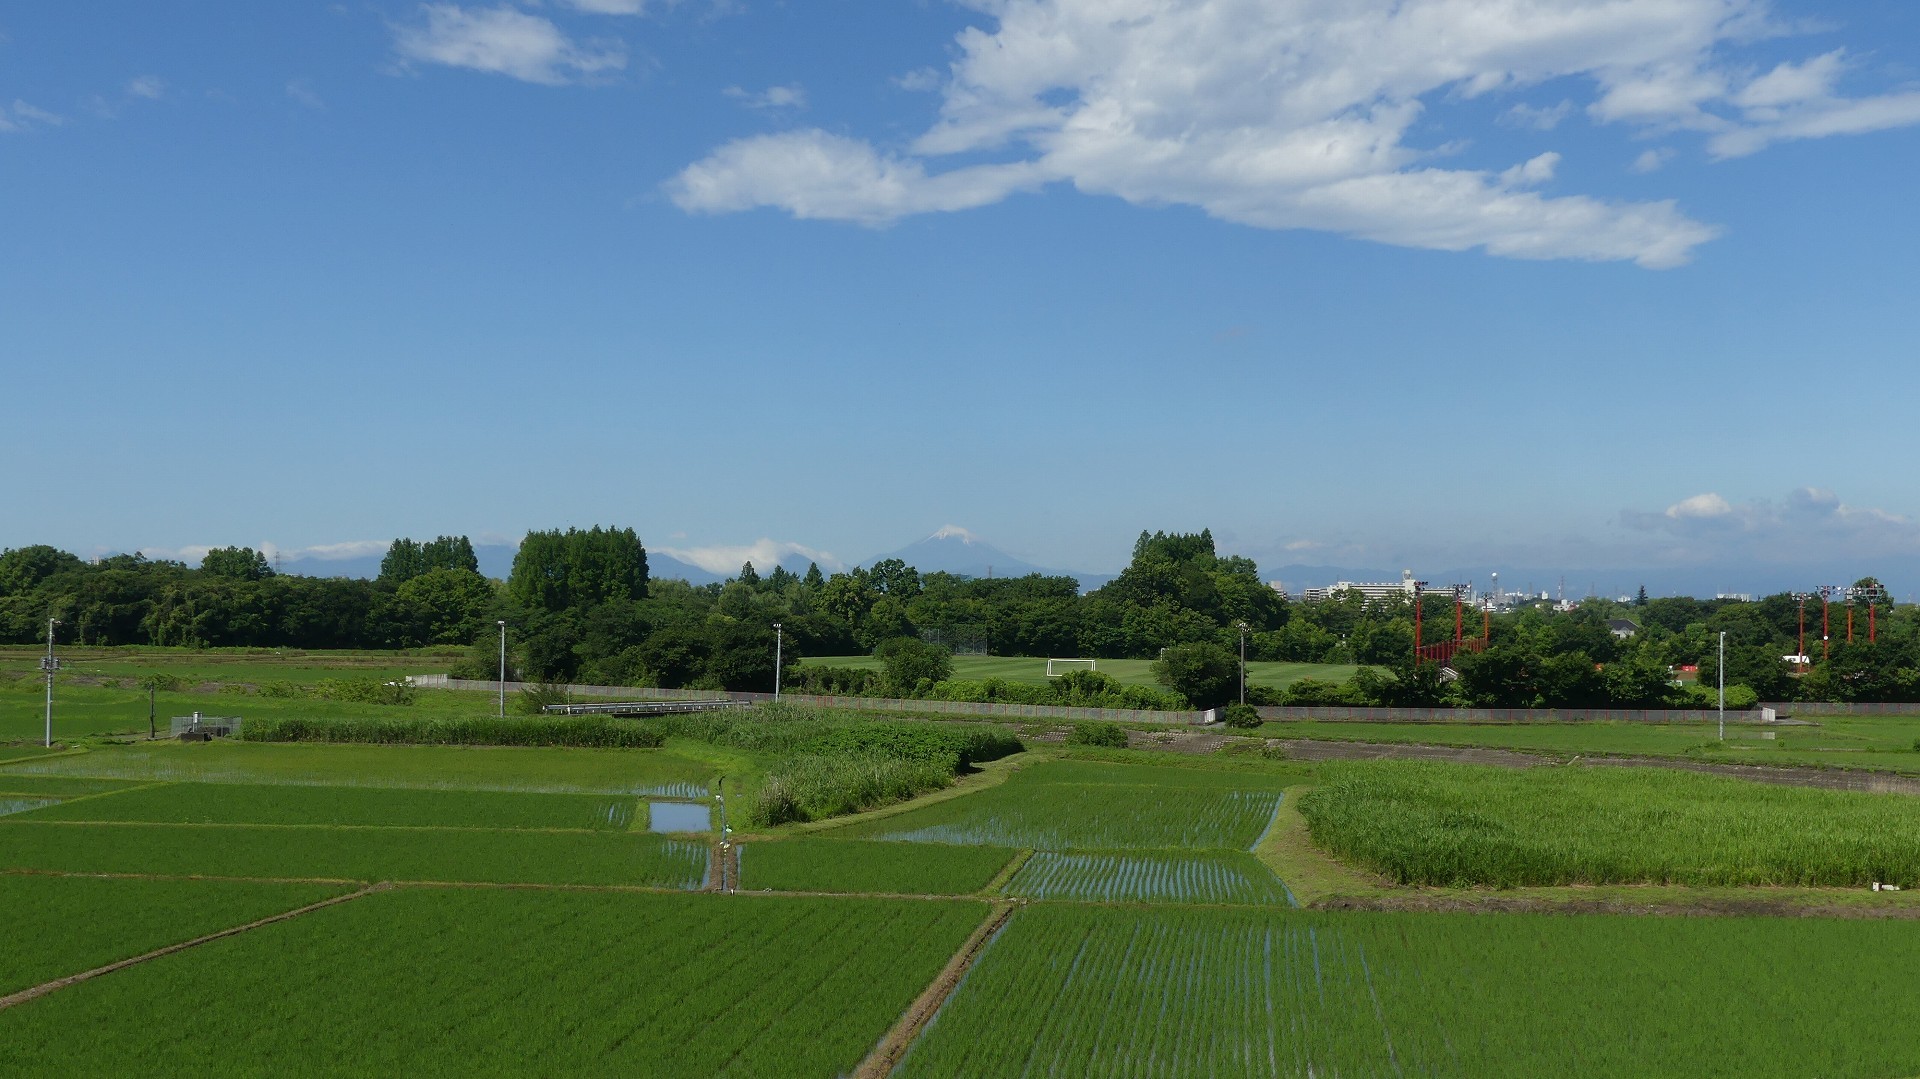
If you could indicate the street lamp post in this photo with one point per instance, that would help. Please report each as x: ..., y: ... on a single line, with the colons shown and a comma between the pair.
x: 1243, y: 663
x: 50, y: 665
x: 502, y: 623
x: 779, y: 639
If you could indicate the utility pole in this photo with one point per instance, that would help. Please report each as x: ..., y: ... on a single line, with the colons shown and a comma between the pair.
x: 1723, y: 685
x: 50, y: 665
x: 1243, y: 663
x: 779, y: 640
x: 503, y: 667
x: 153, y: 730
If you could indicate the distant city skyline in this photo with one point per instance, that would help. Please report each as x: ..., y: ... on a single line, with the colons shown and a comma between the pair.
x: 1618, y: 285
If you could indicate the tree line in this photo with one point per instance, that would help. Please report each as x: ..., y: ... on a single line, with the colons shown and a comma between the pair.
x: 581, y: 606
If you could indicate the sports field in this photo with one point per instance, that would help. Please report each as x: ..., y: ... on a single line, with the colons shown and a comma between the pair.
x: 1127, y: 671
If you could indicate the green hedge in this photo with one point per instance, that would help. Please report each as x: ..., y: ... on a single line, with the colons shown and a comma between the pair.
x: 589, y: 732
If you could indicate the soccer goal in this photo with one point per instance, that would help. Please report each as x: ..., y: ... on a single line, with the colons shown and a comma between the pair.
x: 1058, y: 667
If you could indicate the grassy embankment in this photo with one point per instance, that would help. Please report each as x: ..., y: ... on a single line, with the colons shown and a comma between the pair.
x: 1126, y: 671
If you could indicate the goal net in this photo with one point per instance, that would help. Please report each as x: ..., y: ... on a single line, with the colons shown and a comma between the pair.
x: 1058, y: 667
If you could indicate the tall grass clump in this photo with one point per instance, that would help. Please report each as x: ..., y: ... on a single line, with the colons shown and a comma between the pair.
x: 1453, y: 825
x: 814, y: 786
x: 578, y: 731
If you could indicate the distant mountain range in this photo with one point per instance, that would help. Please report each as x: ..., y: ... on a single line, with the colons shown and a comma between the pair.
x: 955, y: 550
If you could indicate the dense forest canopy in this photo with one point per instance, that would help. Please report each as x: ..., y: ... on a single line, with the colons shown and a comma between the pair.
x: 581, y: 606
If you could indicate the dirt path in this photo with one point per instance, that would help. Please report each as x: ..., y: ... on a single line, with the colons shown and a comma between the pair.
x: 1817, y: 778
x: 42, y: 990
x: 887, y: 1055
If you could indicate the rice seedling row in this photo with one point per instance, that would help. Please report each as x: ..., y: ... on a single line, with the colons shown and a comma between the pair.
x: 1029, y: 811
x: 57, y: 926
x: 648, y: 772
x: 1461, y: 825
x: 1082, y: 990
x: 232, y: 803
x: 460, y: 982
x: 835, y: 865
x: 366, y: 854
x: 13, y: 783
x: 1150, y: 876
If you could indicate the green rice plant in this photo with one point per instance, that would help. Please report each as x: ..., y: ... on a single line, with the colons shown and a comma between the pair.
x: 432, y: 981
x: 575, y: 731
x: 1461, y: 825
x: 365, y: 854
x: 56, y: 926
x: 59, y: 786
x: 834, y: 865
x: 1032, y: 810
x: 664, y: 773
x: 1072, y: 989
x: 235, y: 803
x: 1148, y: 877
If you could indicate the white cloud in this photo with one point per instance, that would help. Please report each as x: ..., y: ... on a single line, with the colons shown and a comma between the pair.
x: 1310, y: 115
x: 1536, y: 118
x: 609, y: 7
x: 27, y: 117
x: 151, y: 87
x: 763, y: 553
x: 813, y: 174
x: 919, y: 80
x: 793, y: 96
x: 303, y: 92
x: 503, y: 41
x: 1809, y: 524
x: 1652, y: 160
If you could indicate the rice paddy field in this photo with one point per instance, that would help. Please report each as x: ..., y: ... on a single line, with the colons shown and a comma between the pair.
x: 1071, y: 990
x: 1063, y: 912
x: 1460, y: 825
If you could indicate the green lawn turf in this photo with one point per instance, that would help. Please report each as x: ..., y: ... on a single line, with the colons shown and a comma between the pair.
x: 56, y: 926
x: 1086, y: 990
x: 675, y: 771
x: 833, y: 865
x: 1456, y: 825
x: 367, y: 854
x: 1128, y: 671
x: 463, y: 982
x: 238, y: 803
x: 1882, y: 743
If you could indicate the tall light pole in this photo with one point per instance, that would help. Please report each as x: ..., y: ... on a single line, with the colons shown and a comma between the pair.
x: 779, y: 639
x: 503, y: 667
x: 1723, y: 685
x: 1243, y: 663
x: 50, y: 665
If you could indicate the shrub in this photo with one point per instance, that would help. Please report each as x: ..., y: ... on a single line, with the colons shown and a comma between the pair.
x: 1202, y: 672
x: 535, y: 698
x: 363, y: 691
x: 909, y: 660
x: 813, y: 786
x: 1241, y: 716
x: 1106, y: 735
x: 583, y: 731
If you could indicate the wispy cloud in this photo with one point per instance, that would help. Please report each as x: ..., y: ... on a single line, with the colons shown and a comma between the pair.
x: 1808, y: 524
x: 25, y: 117
x: 303, y: 92
x: 763, y: 553
x: 504, y: 41
x: 150, y: 87
x: 793, y: 96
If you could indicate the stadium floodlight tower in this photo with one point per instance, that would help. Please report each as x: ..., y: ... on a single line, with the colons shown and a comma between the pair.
x: 502, y: 623
x: 50, y: 665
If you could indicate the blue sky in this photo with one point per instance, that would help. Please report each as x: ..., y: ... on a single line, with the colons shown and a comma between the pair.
x: 1367, y: 283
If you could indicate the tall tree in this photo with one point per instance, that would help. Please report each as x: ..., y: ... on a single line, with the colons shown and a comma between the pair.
x: 236, y: 564
x: 576, y: 569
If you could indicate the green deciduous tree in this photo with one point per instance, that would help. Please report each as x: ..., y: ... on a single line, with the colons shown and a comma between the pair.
x: 1206, y: 674
x: 576, y: 569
